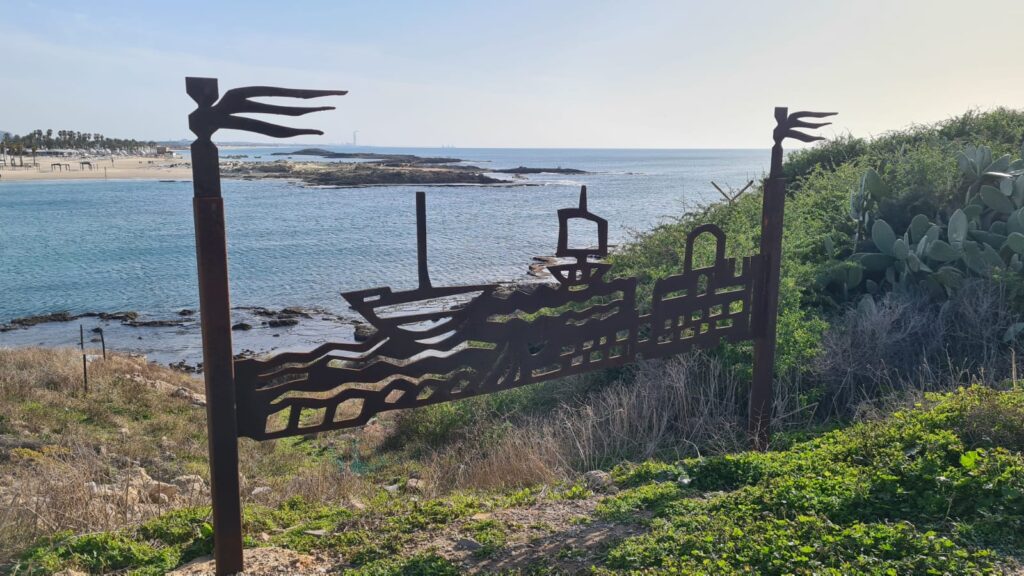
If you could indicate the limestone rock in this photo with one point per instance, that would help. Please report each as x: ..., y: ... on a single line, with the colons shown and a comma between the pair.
x: 190, y: 484
x: 468, y: 545
x: 162, y: 492
x: 194, y: 398
x: 598, y: 480
x: 364, y: 331
x: 415, y: 485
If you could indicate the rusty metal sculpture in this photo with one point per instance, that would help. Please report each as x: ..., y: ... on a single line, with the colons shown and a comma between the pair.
x: 214, y: 300
x: 490, y: 340
x: 435, y: 344
x: 767, y: 305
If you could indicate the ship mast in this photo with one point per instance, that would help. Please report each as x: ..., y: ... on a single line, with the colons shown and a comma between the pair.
x: 421, y: 239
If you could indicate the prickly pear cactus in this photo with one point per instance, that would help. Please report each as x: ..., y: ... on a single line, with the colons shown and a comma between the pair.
x: 984, y: 237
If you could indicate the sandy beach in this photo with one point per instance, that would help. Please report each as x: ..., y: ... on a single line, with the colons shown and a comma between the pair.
x: 120, y: 168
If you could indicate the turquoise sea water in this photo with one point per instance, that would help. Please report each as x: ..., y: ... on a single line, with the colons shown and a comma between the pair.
x: 128, y: 245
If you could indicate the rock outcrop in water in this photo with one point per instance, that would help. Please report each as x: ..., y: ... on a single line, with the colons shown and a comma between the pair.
x: 391, y: 158
x: 345, y: 174
x: 126, y: 318
x: 378, y: 170
x: 525, y: 170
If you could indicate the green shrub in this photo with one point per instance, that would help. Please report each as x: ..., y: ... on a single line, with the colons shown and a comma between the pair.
x: 420, y: 565
x: 629, y: 475
x: 96, y: 553
x: 490, y: 534
x: 983, y: 236
x: 911, y: 495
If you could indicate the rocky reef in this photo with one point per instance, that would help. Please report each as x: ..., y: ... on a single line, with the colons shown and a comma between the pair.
x: 376, y: 169
x: 348, y: 174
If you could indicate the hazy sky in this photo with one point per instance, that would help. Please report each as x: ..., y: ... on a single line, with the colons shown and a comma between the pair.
x: 628, y: 73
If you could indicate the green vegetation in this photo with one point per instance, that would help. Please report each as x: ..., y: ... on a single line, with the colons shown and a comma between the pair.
x: 916, y: 329
x: 937, y: 488
x: 936, y: 491
x: 35, y: 140
x: 908, y: 219
x: 901, y: 279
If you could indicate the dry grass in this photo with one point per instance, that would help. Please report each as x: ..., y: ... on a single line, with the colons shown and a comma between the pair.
x: 670, y: 409
x: 907, y: 345
x: 872, y: 362
x: 56, y: 439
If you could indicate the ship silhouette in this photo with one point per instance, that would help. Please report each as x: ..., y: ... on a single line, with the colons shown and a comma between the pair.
x: 438, y: 316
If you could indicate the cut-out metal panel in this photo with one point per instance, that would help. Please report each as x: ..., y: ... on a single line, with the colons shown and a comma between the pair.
x: 497, y: 339
x: 461, y: 341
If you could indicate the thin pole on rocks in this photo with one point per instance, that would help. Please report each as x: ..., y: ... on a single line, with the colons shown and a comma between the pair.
x: 85, y: 363
x: 103, y: 344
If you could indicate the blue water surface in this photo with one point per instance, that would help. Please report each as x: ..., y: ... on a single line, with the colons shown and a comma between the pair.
x: 83, y: 246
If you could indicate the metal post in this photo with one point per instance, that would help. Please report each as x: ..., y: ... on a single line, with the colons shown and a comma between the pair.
x: 766, y: 312
x: 214, y: 297
x: 766, y: 295
x: 218, y: 364
x: 85, y: 364
x: 103, y: 343
x: 421, y: 240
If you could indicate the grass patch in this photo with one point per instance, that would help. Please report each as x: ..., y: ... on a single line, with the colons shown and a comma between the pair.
x: 919, y: 493
x: 937, y: 488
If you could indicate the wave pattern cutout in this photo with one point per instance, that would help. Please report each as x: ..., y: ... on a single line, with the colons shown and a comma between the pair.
x: 497, y: 340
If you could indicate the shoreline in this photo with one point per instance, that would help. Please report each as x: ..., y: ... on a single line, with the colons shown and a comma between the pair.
x: 103, y: 168
x: 377, y: 170
x: 174, y: 339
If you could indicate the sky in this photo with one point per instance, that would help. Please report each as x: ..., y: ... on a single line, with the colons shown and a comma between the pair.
x: 484, y: 73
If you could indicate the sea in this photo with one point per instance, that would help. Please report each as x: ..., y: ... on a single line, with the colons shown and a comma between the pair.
x: 128, y: 245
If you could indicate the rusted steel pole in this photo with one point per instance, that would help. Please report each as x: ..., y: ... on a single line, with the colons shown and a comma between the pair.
x: 766, y: 312
x: 85, y: 363
x: 218, y: 362
x: 766, y: 294
x: 209, y: 116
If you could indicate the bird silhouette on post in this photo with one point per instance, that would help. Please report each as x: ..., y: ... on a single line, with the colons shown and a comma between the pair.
x: 766, y: 291
x: 210, y: 116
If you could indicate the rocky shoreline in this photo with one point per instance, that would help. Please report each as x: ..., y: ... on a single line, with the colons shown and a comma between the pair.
x: 174, y: 339
x: 288, y: 316
x: 375, y: 169
x: 358, y: 174
x: 125, y: 318
x: 388, y: 158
